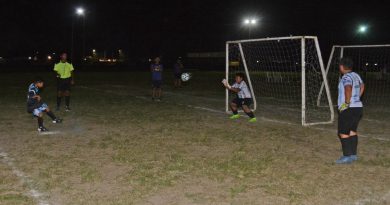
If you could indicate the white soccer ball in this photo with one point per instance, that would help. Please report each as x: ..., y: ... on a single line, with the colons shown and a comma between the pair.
x: 185, y: 77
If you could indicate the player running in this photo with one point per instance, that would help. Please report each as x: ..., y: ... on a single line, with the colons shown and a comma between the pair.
x: 37, y: 107
x: 65, y: 80
x: 156, y: 68
x: 243, y: 99
x: 351, y: 88
x: 177, y: 71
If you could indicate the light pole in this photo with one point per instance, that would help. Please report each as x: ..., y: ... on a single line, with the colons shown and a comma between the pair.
x: 250, y: 22
x: 80, y: 12
x: 362, y: 30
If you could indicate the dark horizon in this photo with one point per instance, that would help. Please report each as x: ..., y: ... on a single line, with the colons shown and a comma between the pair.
x: 177, y: 27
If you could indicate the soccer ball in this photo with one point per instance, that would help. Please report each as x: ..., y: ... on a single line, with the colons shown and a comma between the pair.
x: 185, y: 77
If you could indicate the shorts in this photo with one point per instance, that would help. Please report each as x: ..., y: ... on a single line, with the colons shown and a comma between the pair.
x: 36, y: 110
x: 177, y: 76
x: 242, y: 101
x: 156, y: 83
x: 349, y: 120
x: 64, y: 84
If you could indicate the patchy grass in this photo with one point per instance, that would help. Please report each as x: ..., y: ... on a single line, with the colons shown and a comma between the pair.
x: 119, y: 147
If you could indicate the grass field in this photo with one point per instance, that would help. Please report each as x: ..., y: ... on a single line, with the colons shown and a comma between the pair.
x: 119, y: 147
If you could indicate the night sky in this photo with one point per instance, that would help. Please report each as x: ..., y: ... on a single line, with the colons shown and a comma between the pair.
x: 143, y: 28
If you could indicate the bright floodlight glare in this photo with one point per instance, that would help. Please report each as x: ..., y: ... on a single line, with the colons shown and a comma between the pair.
x: 362, y: 29
x: 253, y: 21
x: 247, y: 21
x: 80, y: 11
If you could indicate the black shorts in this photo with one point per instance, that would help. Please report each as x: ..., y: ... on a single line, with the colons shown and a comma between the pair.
x: 349, y: 120
x: 64, y: 84
x: 156, y: 83
x: 177, y: 76
x: 242, y: 101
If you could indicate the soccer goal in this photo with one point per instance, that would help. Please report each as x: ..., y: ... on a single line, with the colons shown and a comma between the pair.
x: 372, y: 62
x: 285, y: 76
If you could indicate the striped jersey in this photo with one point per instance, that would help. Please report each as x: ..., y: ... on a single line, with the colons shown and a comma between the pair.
x: 356, y: 82
x: 32, y: 91
x: 244, y: 90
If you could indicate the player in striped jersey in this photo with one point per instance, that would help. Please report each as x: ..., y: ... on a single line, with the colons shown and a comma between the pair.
x: 351, y: 88
x: 37, y: 107
x: 243, y: 99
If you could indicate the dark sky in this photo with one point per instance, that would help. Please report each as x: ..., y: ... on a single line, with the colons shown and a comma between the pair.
x: 146, y: 27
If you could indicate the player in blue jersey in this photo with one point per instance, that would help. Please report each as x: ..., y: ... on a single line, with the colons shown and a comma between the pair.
x: 156, y: 68
x: 37, y: 107
x: 350, y: 106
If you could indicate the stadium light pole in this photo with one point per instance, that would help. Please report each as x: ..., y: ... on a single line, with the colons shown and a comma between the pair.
x: 250, y: 23
x: 80, y: 12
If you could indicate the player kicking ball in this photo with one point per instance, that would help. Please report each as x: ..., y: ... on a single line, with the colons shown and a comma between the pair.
x: 243, y: 99
x: 37, y: 107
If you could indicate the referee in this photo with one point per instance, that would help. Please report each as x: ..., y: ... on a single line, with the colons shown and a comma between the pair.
x: 351, y: 88
x: 64, y: 72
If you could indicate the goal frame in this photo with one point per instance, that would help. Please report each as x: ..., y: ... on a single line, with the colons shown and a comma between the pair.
x: 331, y: 57
x: 303, y: 74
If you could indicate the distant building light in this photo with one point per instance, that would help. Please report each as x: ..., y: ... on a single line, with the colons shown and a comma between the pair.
x: 376, y: 64
x: 48, y: 57
x: 150, y: 60
x: 93, y: 50
x: 367, y: 64
x: 29, y: 57
x: 257, y: 61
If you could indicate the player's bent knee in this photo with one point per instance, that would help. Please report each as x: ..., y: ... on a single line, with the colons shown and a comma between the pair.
x: 343, y: 136
x: 352, y: 133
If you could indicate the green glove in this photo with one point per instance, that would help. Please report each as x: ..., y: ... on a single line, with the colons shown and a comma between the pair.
x: 343, y: 107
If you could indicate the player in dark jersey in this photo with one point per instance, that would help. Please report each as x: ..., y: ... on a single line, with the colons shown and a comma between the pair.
x: 156, y: 68
x: 177, y: 71
x: 37, y: 107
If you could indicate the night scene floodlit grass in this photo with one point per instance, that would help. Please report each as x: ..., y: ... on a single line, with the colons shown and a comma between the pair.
x: 167, y: 107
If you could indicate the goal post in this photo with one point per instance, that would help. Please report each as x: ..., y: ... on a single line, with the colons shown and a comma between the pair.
x: 284, y: 75
x: 372, y: 62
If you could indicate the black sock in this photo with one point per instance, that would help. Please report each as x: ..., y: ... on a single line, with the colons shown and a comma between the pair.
x: 346, y: 145
x: 354, y: 141
x: 40, y: 122
x: 59, y: 101
x: 235, y: 112
x: 250, y: 114
x: 67, y: 101
x: 51, y: 115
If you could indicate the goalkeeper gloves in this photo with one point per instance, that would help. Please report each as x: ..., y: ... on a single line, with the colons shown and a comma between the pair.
x: 226, y: 83
x: 343, y: 107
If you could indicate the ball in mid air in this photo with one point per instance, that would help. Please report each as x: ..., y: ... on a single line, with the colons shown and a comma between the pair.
x: 185, y: 77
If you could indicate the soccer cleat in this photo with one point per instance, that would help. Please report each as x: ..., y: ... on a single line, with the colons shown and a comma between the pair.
x: 56, y: 121
x: 67, y: 109
x: 354, y: 157
x: 42, y: 129
x: 252, y: 120
x: 344, y: 160
x: 233, y: 117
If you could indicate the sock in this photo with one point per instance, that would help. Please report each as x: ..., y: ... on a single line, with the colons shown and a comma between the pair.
x: 67, y: 101
x: 58, y: 101
x: 235, y: 112
x: 250, y: 114
x: 354, y: 142
x: 40, y: 122
x: 51, y: 115
x: 346, y: 145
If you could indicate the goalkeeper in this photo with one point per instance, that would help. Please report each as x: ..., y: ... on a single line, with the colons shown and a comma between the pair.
x: 243, y: 99
x: 351, y: 88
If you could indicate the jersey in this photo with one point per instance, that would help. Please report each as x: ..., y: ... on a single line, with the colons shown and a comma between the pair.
x: 156, y: 71
x: 63, y: 69
x: 32, y: 91
x: 244, y: 90
x: 356, y: 82
x: 177, y: 68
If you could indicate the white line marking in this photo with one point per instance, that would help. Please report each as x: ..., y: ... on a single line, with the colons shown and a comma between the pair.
x: 34, y: 193
x: 49, y: 133
x: 222, y: 112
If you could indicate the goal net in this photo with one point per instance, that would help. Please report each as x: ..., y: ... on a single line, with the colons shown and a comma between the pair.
x: 285, y: 76
x: 372, y: 62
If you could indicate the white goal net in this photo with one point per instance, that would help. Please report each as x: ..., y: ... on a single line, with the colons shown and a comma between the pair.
x: 372, y: 62
x: 285, y: 76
